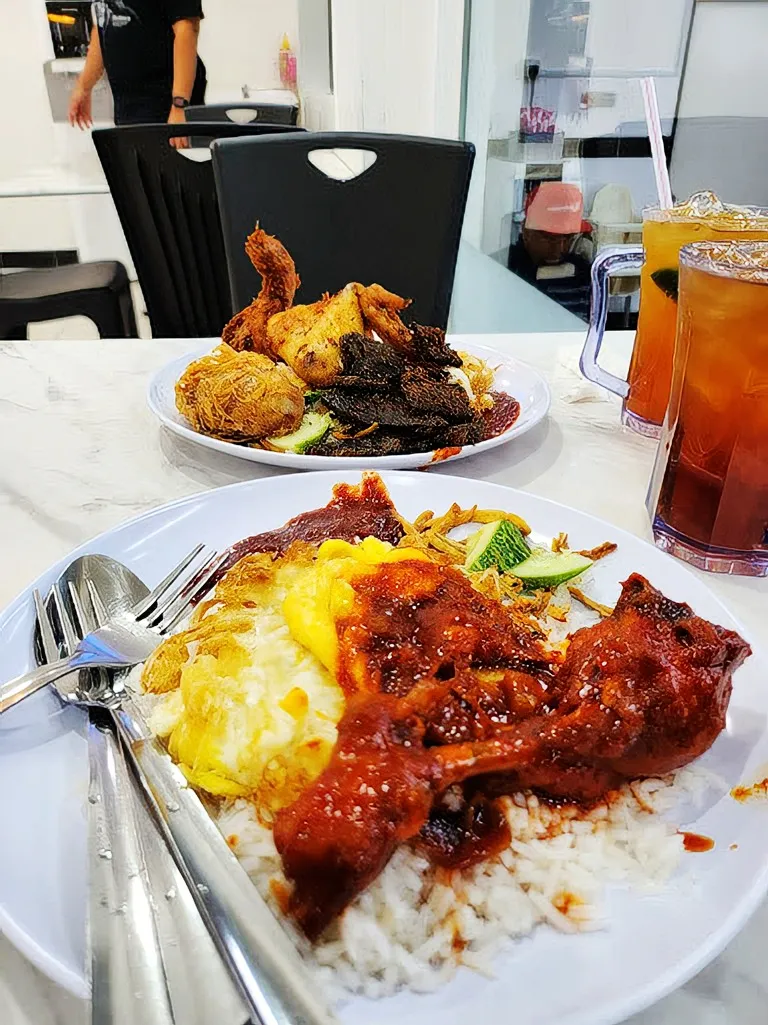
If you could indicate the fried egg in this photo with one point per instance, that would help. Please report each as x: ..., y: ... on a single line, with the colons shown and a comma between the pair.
x: 248, y: 700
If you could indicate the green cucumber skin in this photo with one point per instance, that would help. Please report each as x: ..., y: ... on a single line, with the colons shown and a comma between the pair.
x: 499, y: 544
x: 540, y: 570
x: 303, y: 444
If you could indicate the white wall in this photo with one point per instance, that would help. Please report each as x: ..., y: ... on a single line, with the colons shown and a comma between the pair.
x: 239, y: 42
x: 397, y: 65
x: 317, y: 105
x: 26, y: 129
x: 727, y: 72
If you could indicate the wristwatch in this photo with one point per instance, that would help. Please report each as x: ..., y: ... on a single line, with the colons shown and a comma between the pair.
x: 179, y: 101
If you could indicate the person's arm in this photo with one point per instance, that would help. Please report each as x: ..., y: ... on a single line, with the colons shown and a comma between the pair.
x: 185, y: 33
x: 80, y: 100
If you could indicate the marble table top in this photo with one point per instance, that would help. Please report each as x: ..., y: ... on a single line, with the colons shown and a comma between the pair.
x: 80, y: 452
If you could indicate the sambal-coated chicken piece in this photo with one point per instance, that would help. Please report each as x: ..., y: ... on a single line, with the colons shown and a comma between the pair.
x: 642, y: 693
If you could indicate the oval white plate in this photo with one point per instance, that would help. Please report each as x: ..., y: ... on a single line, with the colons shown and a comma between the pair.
x: 652, y: 943
x: 516, y: 378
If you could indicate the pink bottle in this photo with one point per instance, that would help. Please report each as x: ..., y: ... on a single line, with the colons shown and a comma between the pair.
x: 287, y: 65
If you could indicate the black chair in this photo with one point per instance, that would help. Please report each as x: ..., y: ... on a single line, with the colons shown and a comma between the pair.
x: 264, y: 113
x: 100, y: 291
x: 397, y: 223
x: 168, y: 208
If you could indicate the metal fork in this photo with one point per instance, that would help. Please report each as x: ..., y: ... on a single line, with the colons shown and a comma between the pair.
x: 260, y: 955
x: 125, y: 641
x: 200, y: 988
x: 128, y: 980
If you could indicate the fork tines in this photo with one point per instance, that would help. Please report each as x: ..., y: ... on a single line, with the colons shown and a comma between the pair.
x: 171, y: 607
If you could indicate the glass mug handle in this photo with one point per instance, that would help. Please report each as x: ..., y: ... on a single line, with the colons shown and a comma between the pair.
x: 609, y: 261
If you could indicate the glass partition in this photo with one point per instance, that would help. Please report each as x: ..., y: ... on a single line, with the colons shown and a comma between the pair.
x: 554, y: 106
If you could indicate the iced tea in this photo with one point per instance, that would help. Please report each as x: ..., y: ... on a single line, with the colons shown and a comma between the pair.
x: 709, y: 493
x: 703, y: 218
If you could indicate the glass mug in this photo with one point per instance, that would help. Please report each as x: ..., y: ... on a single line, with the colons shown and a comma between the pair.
x: 708, y: 497
x: 702, y: 218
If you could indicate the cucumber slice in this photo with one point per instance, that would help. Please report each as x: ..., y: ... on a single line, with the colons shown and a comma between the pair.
x: 550, y: 569
x: 313, y: 427
x: 500, y: 544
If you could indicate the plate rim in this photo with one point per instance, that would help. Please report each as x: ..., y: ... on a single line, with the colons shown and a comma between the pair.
x: 297, y: 461
x: 650, y: 993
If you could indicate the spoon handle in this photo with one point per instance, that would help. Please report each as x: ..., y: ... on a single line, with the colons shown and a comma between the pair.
x: 274, y: 980
x: 128, y: 981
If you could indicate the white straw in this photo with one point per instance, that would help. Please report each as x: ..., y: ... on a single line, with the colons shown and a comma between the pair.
x: 653, y: 120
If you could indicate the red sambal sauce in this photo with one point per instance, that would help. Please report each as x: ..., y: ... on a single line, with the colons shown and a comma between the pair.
x: 441, y: 454
x: 757, y: 790
x: 355, y: 511
x: 417, y: 621
x: 695, y: 843
x: 502, y: 415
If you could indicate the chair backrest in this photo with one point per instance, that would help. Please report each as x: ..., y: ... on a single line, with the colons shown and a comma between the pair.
x: 246, y: 112
x: 397, y: 223
x: 169, y: 211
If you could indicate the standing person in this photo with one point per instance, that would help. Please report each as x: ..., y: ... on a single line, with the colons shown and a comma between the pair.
x: 544, y: 255
x: 148, y: 49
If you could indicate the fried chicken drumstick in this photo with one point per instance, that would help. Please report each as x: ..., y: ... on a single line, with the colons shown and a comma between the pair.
x: 642, y: 693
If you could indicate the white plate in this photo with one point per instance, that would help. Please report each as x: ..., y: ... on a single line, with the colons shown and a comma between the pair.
x: 516, y: 378
x: 654, y: 942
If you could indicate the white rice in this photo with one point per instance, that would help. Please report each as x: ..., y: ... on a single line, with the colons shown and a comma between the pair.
x: 415, y: 925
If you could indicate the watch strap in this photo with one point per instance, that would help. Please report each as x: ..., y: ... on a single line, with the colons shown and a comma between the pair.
x: 179, y: 101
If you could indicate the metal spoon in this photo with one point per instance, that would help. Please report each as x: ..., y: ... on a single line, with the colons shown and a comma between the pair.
x: 200, y: 987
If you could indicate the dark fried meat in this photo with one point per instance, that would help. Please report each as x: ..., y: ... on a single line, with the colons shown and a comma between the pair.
x: 460, y: 435
x: 381, y: 442
x: 363, y: 407
x: 428, y: 345
x: 369, y: 361
x: 407, y: 394
x: 389, y: 441
x: 379, y: 386
x: 426, y: 389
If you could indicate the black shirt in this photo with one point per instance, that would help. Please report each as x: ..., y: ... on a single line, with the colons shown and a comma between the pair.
x: 137, y: 47
x: 573, y: 292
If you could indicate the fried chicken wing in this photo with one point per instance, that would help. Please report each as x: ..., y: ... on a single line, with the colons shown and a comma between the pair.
x: 381, y: 311
x: 308, y: 338
x: 247, y: 330
x: 240, y: 396
x: 640, y: 694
